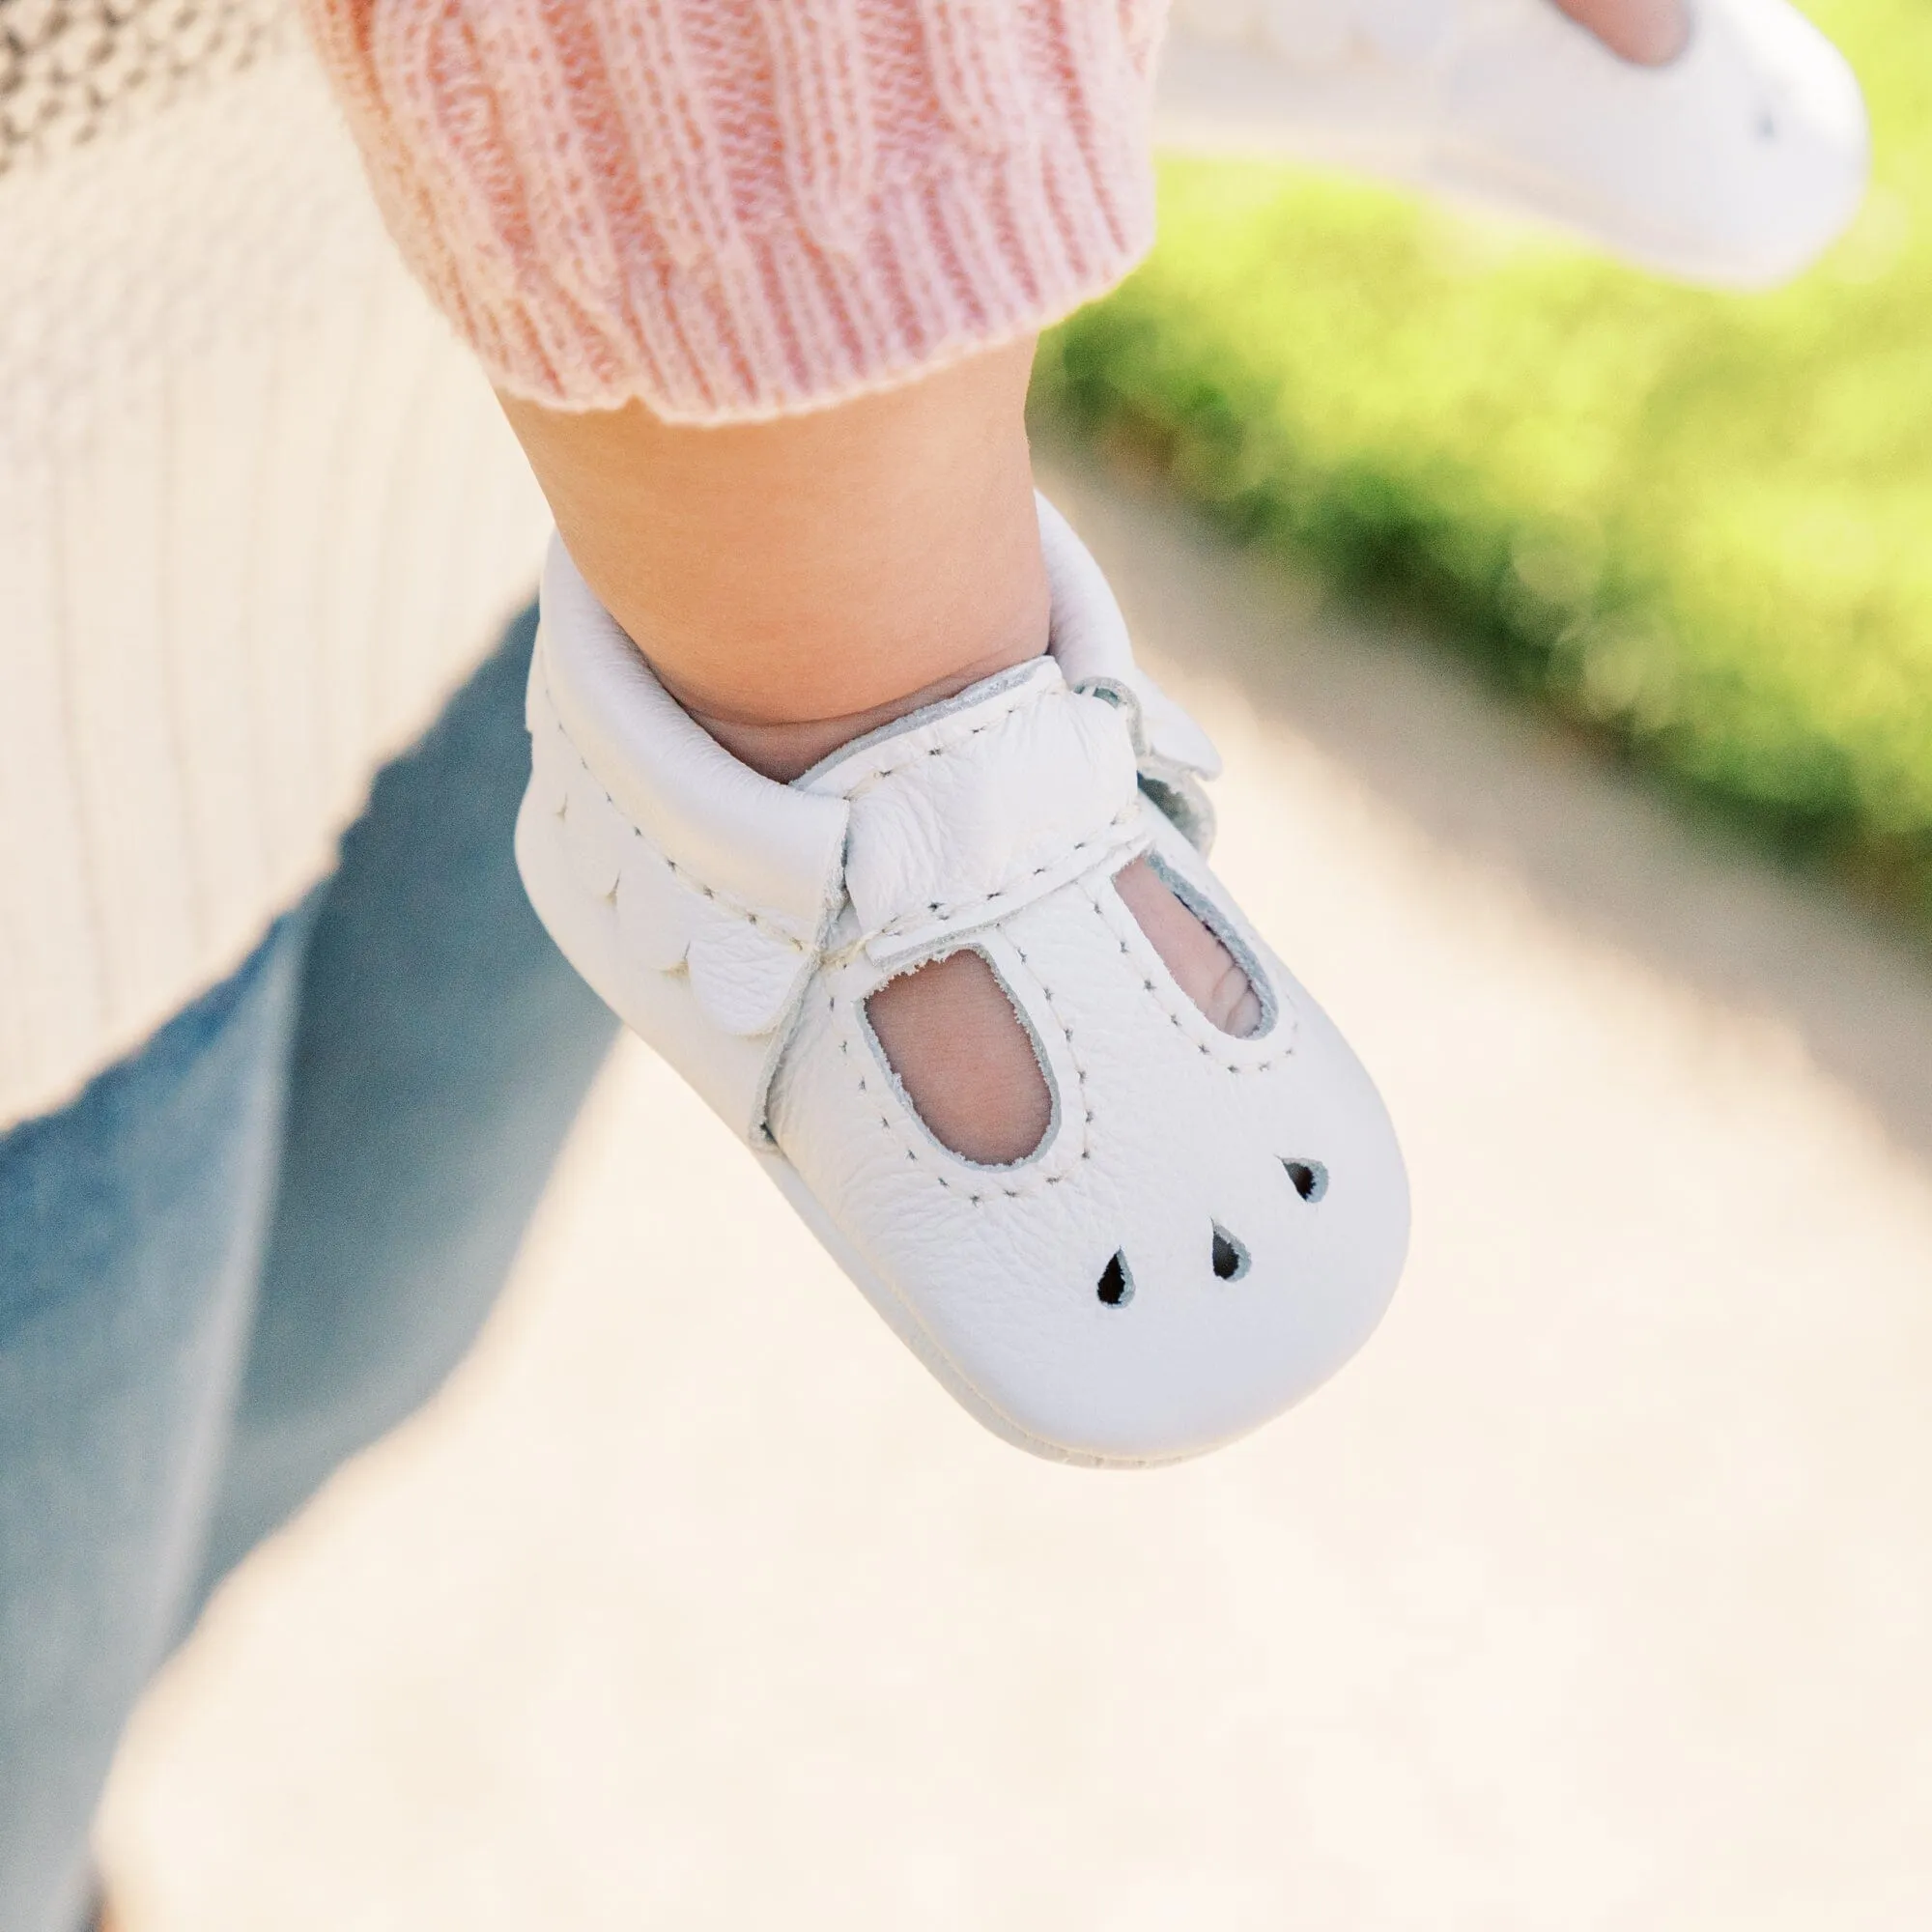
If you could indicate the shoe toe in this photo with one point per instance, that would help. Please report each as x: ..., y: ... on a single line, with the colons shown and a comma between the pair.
x: 1226, y: 1289
x: 1807, y: 142
x: 1212, y: 1229
x: 1735, y: 165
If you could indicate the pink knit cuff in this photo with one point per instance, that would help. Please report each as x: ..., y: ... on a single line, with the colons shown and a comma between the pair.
x: 738, y: 209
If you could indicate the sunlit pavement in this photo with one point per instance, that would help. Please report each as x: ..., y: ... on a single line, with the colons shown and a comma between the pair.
x: 1595, y: 1594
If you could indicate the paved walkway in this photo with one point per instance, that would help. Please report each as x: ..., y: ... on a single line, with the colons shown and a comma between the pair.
x: 1595, y: 1595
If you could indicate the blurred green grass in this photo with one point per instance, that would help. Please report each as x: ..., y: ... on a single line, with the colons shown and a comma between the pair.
x: 1699, y: 523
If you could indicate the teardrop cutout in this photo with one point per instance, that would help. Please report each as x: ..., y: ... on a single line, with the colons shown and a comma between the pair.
x: 1310, y: 1178
x: 1230, y: 1259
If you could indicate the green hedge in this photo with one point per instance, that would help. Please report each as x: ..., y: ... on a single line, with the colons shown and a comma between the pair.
x: 1700, y: 523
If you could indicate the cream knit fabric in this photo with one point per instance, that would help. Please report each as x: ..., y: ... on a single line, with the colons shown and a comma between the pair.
x: 258, y: 511
x: 259, y: 514
x: 736, y: 208
x: 74, y: 70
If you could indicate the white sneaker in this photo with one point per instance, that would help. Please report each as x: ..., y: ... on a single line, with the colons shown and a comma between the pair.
x: 1211, y: 1226
x: 1734, y: 164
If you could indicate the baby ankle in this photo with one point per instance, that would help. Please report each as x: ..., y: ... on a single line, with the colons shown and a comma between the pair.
x: 785, y: 748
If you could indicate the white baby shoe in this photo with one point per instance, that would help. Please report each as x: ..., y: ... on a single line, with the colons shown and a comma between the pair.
x: 1211, y: 1224
x: 1734, y: 164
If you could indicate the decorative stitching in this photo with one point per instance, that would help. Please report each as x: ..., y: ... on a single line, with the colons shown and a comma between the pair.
x: 954, y: 915
x: 1066, y: 1034
x: 950, y: 739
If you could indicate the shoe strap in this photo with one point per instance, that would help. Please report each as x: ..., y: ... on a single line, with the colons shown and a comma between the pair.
x: 966, y: 811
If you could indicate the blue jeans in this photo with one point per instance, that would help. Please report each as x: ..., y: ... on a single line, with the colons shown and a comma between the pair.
x: 257, y: 1243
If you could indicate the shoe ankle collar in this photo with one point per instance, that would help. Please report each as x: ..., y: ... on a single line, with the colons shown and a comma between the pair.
x: 766, y: 846
x: 782, y: 849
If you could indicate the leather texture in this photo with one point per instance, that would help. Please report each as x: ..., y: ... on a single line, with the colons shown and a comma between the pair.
x: 1735, y: 164
x: 1211, y: 1224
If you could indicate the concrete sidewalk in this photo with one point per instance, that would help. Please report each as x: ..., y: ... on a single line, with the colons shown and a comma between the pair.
x: 1594, y: 1595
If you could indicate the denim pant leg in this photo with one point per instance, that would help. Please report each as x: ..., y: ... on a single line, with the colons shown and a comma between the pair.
x: 340, y: 1145
x: 444, y: 1046
x: 132, y: 1227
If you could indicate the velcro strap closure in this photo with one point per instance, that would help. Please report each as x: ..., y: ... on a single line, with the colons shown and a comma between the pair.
x: 969, y: 810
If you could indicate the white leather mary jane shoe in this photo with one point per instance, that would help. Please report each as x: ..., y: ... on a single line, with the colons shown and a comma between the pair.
x: 1736, y: 163
x: 1210, y: 1226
